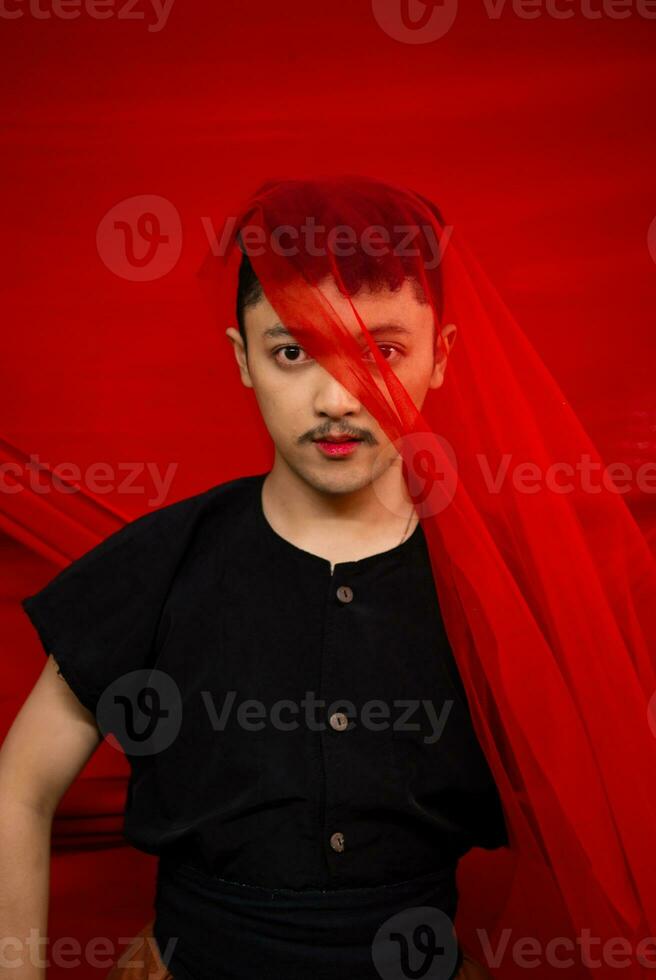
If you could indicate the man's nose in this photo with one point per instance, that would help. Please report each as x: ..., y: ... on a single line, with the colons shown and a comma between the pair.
x: 333, y: 399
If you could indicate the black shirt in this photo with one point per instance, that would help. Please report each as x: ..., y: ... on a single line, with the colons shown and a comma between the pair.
x: 286, y: 726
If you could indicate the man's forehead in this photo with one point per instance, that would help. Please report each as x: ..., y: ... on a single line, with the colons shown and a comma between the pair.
x: 393, y: 312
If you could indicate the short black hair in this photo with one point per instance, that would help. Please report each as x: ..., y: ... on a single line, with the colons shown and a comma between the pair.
x: 249, y: 292
x: 360, y: 203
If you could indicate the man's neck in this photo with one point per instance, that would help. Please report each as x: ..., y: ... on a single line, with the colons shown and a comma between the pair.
x: 339, y: 526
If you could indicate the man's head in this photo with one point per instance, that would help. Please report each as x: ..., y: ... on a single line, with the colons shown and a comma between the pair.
x: 362, y: 241
x: 301, y: 403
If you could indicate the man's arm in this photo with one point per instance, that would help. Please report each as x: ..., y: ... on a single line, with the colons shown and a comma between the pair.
x: 50, y: 741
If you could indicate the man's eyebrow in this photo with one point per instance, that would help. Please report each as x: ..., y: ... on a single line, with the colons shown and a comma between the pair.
x: 278, y: 330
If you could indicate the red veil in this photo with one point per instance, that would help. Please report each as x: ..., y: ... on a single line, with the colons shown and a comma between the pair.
x: 545, y: 581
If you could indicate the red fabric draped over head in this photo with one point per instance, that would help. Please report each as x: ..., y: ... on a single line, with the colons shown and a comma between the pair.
x: 545, y: 581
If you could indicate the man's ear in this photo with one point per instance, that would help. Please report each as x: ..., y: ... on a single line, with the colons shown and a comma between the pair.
x: 237, y: 342
x: 448, y: 333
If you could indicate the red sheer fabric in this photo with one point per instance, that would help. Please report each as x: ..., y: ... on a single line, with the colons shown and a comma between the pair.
x: 545, y: 581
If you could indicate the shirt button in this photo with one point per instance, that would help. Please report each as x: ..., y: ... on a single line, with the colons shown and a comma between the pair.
x: 344, y: 594
x: 337, y: 841
x: 339, y: 721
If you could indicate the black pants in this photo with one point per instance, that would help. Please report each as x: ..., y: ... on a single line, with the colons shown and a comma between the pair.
x: 207, y: 928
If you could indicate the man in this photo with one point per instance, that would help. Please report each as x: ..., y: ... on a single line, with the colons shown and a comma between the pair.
x: 306, y: 588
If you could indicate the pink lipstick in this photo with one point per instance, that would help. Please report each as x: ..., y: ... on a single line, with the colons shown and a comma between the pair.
x: 343, y: 448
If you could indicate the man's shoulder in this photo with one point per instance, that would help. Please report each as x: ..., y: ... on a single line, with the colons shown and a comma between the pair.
x: 225, y: 499
x: 174, y: 523
x: 148, y: 548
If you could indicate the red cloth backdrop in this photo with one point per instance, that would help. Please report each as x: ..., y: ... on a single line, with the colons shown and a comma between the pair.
x: 533, y: 133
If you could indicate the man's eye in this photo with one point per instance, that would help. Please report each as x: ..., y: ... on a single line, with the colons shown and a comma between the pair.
x: 293, y: 354
x: 387, y: 350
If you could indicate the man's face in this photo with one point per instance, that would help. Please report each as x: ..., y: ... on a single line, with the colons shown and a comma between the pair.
x: 301, y: 403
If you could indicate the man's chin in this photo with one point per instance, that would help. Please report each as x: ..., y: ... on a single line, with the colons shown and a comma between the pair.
x: 338, y: 476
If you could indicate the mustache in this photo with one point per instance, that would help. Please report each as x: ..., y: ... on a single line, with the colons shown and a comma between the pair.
x: 348, y: 433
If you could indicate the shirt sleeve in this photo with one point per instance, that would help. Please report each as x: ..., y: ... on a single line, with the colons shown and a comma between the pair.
x: 98, y: 617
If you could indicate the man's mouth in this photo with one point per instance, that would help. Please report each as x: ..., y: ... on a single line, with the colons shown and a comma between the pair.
x: 339, y: 438
x: 337, y: 445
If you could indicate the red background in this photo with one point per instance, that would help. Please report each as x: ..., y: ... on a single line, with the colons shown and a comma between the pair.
x: 533, y: 135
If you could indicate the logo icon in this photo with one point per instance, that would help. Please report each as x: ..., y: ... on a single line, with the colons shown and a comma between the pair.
x: 416, y: 944
x: 415, y: 21
x: 651, y: 714
x: 141, y: 712
x: 430, y: 472
x: 651, y: 240
x: 140, y: 239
